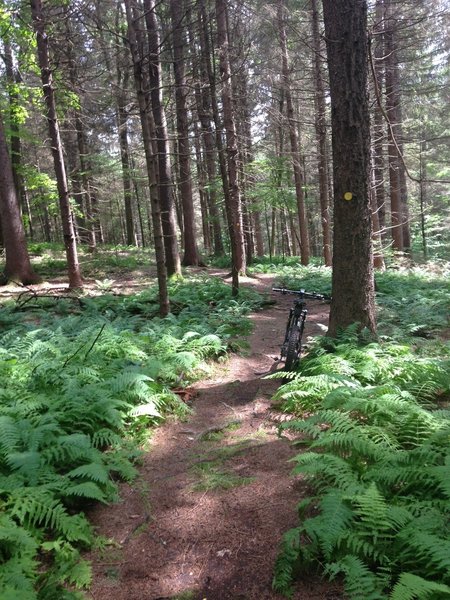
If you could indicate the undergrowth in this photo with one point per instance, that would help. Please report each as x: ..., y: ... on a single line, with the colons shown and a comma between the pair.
x: 376, y: 420
x: 412, y: 302
x: 83, y: 380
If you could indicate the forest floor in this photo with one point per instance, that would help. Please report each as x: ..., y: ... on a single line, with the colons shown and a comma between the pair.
x: 215, y: 492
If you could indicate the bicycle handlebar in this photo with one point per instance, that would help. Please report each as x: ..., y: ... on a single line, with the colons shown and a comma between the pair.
x: 303, y: 294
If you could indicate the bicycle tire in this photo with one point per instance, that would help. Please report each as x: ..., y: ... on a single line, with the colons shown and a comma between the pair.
x: 293, y: 349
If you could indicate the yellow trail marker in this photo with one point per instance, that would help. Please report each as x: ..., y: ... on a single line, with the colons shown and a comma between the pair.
x: 348, y: 196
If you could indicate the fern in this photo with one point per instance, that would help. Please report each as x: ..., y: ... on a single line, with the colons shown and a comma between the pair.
x: 412, y: 587
x: 333, y: 521
x: 88, y: 490
x: 286, y: 561
x: 360, y: 582
x: 327, y: 471
x: 379, y: 461
x: 93, y: 471
x: 37, y: 506
x: 75, y: 391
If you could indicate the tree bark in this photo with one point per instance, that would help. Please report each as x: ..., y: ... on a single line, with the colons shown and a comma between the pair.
x: 122, y: 126
x: 14, y: 78
x: 352, y: 279
x: 143, y: 95
x: 173, y: 263
x: 392, y: 108
x: 205, y: 97
x: 189, y: 234
x: 293, y: 135
x: 378, y: 123
x: 321, y: 136
x: 202, y: 191
x: 18, y: 267
x: 75, y: 280
x: 235, y: 206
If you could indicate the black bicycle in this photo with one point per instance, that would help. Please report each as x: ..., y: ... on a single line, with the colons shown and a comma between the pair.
x: 292, y: 345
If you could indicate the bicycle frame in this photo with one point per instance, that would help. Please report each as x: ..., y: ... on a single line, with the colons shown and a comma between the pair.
x: 292, y: 344
x: 297, y: 318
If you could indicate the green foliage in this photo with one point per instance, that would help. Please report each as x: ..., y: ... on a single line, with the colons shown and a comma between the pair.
x: 295, y: 276
x: 76, y: 385
x: 379, y: 464
x: 414, y: 301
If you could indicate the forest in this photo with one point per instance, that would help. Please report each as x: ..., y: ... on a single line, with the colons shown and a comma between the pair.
x: 165, y: 164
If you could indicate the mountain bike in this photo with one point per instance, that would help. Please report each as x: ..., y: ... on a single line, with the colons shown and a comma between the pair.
x: 292, y: 345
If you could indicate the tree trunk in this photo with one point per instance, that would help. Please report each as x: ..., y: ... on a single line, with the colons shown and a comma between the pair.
x: 378, y: 122
x: 352, y: 279
x: 392, y: 105
x: 143, y: 94
x: 321, y: 136
x: 189, y: 234
x: 173, y: 263
x: 90, y: 209
x: 293, y: 135
x: 203, y: 97
x: 75, y: 280
x: 208, y: 61
x: 122, y: 125
x: 202, y: 191
x: 73, y: 173
x: 235, y: 206
x: 378, y: 258
x: 18, y: 266
x: 14, y: 78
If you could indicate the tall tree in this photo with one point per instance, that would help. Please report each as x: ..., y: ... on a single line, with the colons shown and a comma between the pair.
x: 122, y: 125
x: 392, y: 111
x: 321, y: 133
x: 352, y: 279
x: 234, y: 213
x: 162, y: 141
x: 293, y: 136
x: 14, y: 80
x: 178, y: 15
x: 378, y: 136
x: 18, y: 267
x: 137, y: 48
x: 207, y: 112
x: 75, y: 280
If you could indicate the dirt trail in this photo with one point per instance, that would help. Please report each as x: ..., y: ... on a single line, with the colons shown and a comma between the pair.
x: 177, y: 540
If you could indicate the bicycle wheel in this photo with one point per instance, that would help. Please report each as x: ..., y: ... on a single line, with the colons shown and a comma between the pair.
x: 293, y: 349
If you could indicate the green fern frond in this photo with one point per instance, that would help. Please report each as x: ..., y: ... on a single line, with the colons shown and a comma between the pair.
x: 67, y: 566
x: 442, y: 475
x: 372, y: 509
x: 330, y: 470
x: 368, y: 550
x: 16, y: 579
x: 431, y: 551
x: 87, y: 489
x: 38, y: 507
x: 330, y: 525
x: 413, y: 587
x: 27, y: 464
x: 9, y: 434
x: 360, y: 582
x: 120, y: 464
x: 286, y: 561
x: 71, y: 448
x: 93, y: 472
x: 129, y: 379
x: 105, y: 437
